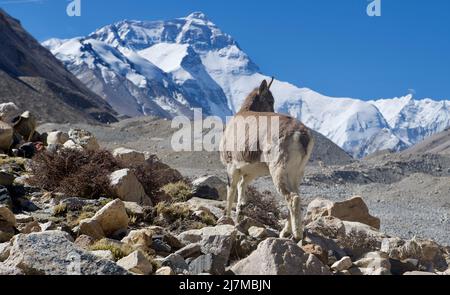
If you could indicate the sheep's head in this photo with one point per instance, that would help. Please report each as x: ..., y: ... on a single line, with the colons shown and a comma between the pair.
x: 260, y: 100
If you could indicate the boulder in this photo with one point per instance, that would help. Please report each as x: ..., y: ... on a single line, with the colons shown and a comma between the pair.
x: 280, y: 257
x: 176, y: 263
x: 129, y: 156
x: 6, y: 137
x: 419, y: 273
x: 344, y: 264
x: 84, y: 138
x: 5, y: 249
x: 10, y: 271
x: 164, y: 271
x: 104, y: 254
x: 204, y: 264
x: 134, y: 209
x: 191, y: 250
x: 8, y: 112
x: 139, y: 239
x: 317, y: 251
x: 160, y: 233
x: 108, y: 220
x: 26, y: 125
x: 215, y: 207
x: 7, y: 224
x: 210, y: 187
x: 91, y: 228
x: 217, y: 241
x: 84, y: 241
x: 128, y: 188
x: 23, y: 218
x: 5, y: 197
x: 136, y: 263
x: 353, y: 209
x: 57, y: 138
x: 70, y: 144
x: 6, y: 179
x: 7, y: 217
x: 374, y: 263
x: 53, y: 253
x: 31, y: 227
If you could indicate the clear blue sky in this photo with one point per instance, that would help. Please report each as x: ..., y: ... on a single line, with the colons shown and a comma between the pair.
x: 331, y: 46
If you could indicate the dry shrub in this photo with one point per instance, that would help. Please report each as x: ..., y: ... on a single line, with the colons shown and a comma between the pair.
x: 148, y: 177
x: 178, y: 217
x: 164, y: 174
x: 74, y: 172
x: 263, y: 208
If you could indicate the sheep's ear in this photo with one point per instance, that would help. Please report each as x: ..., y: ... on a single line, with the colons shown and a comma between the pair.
x: 263, y: 86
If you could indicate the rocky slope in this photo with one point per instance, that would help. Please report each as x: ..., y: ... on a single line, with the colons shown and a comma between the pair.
x: 436, y: 144
x: 32, y: 78
x: 202, y: 66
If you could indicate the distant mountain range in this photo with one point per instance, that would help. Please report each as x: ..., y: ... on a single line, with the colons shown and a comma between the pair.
x: 32, y: 78
x: 166, y: 68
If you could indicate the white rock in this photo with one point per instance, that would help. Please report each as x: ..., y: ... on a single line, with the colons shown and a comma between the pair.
x: 104, y: 254
x: 344, y: 264
x: 165, y: 271
x: 8, y: 112
x: 129, y: 156
x: 137, y: 263
x: 128, y: 188
x: 70, y: 144
x: 23, y: 218
x: 57, y: 137
x: 84, y: 138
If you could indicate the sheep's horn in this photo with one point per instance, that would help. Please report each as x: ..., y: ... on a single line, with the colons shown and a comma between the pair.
x: 271, y: 82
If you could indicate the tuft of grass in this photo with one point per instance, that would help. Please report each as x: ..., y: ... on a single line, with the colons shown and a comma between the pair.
x: 209, y: 220
x: 179, y: 191
x: 173, y: 212
x: 60, y: 210
x: 118, y: 251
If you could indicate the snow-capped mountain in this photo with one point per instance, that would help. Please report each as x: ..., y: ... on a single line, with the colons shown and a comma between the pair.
x: 169, y: 67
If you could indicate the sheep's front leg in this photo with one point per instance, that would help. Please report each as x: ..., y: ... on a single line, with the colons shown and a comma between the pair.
x: 242, y: 200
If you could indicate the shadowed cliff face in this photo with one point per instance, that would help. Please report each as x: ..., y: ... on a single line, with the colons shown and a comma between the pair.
x: 32, y: 78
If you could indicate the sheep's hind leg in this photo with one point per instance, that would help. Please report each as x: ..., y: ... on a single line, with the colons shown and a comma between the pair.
x: 233, y: 179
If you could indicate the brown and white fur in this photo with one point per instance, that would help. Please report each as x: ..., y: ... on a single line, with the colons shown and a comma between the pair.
x: 284, y: 158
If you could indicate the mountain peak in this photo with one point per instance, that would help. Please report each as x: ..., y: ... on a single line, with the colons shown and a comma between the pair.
x: 197, y: 15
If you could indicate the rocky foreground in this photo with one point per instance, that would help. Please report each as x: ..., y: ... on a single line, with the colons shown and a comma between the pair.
x: 69, y: 207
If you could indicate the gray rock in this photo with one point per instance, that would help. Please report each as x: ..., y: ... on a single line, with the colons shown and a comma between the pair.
x: 53, y: 253
x: 217, y: 240
x: 5, y: 198
x: 374, y: 263
x: 280, y: 257
x: 204, y: 264
x: 6, y: 178
x: 210, y: 187
x: 176, y: 263
x: 191, y: 250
